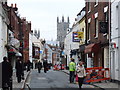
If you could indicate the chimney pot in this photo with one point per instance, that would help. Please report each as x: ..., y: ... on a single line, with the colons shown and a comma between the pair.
x: 15, y: 5
x: 11, y: 5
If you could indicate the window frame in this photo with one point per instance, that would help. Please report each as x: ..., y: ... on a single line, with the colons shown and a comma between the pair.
x: 96, y: 27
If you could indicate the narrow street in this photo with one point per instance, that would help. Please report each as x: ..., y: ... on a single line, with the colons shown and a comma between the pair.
x: 51, y: 80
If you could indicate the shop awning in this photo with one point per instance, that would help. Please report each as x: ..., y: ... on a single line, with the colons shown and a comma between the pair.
x: 15, y: 51
x: 92, y: 48
x: 18, y: 54
x: 11, y: 49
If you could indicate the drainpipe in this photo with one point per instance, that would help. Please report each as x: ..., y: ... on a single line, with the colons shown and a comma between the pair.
x: 110, y: 36
x: 119, y: 42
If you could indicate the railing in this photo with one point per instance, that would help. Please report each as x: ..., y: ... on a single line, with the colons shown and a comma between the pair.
x: 97, y: 74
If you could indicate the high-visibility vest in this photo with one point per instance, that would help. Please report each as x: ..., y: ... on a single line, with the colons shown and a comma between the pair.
x: 72, y: 66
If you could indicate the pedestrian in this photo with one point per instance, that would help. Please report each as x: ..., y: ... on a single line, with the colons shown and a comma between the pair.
x: 6, y: 74
x: 81, y: 73
x: 45, y: 65
x: 72, y: 67
x: 28, y: 65
x: 19, y: 69
x: 39, y: 66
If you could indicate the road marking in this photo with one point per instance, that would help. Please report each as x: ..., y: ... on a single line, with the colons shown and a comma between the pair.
x: 43, y: 78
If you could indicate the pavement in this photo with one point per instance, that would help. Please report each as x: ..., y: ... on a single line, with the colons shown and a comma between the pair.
x: 20, y: 85
x: 103, y: 85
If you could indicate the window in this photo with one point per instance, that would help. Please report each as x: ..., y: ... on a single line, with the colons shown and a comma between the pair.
x: 96, y: 2
x: 89, y: 6
x: 88, y: 31
x: 96, y: 27
x: 106, y: 16
x: 82, y: 29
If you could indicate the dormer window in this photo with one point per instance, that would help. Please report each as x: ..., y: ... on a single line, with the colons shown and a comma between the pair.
x: 96, y: 3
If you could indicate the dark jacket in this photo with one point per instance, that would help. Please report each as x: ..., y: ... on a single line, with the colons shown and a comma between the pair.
x: 45, y: 64
x: 28, y: 65
x: 19, y: 68
x: 39, y: 65
x: 6, y: 71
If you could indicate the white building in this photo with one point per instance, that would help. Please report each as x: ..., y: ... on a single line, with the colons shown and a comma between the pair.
x: 115, y: 40
x: 70, y: 45
x: 3, y: 32
x: 49, y: 54
x: 30, y: 46
x: 53, y: 43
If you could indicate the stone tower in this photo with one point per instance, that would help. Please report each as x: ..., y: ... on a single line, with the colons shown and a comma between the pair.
x: 62, y: 30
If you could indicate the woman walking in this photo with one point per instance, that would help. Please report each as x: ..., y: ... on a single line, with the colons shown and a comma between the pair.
x: 81, y: 73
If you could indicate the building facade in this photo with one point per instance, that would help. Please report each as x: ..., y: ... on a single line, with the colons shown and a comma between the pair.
x: 4, y: 22
x: 115, y: 40
x: 62, y: 27
x: 97, y: 34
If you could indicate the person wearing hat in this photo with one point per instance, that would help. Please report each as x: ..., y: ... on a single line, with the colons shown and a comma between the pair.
x: 81, y: 73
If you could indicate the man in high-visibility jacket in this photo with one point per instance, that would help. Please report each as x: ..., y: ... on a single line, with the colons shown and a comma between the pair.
x: 72, y: 67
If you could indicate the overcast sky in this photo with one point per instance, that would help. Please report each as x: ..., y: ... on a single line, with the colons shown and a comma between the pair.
x: 43, y: 13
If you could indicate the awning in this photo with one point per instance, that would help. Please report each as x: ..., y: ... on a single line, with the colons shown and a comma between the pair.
x: 13, y: 50
x: 18, y: 54
x: 92, y: 48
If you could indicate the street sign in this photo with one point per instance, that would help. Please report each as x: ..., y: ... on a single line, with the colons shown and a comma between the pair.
x: 41, y: 51
x: 80, y: 35
x: 75, y: 37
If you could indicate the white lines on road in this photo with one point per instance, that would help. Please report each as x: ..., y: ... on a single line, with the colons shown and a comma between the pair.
x: 41, y: 78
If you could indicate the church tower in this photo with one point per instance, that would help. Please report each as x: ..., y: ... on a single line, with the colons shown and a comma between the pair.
x: 62, y: 30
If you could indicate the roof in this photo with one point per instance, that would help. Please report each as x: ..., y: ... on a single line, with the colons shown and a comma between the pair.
x: 84, y: 8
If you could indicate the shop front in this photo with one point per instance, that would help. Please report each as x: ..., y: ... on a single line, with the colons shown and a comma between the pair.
x: 92, y: 52
x: 82, y: 54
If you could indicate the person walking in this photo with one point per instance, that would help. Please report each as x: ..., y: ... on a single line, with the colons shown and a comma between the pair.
x: 39, y: 66
x: 45, y: 65
x: 81, y: 73
x: 72, y: 67
x: 19, y: 69
x: 6, y: 74
x: 28, y: 65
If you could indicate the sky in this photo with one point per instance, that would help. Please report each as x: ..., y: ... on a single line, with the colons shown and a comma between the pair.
x: 43, y: 14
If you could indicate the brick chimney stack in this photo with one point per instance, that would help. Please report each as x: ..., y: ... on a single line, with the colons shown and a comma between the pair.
x: 11, y: 5
x: 15, y: 8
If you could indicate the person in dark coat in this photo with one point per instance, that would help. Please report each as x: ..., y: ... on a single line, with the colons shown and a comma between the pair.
x: 45, y: 65
x: 19, y: 69
x: 28, y: 65
x: 39, y: 65
x: 6, y: 74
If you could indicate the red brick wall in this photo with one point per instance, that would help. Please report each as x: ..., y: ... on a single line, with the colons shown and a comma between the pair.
x: 100, y: 10
x: 98, y: 57
x: 26, y: 29
x: 13, y: 21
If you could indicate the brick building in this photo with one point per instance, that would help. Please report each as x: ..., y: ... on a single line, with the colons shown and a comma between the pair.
x: 26, y: 28
x: 20, y: 29
x: 97, y: 34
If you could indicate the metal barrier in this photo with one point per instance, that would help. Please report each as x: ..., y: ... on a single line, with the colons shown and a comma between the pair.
x: 97, y: 74
x: 59, y: 67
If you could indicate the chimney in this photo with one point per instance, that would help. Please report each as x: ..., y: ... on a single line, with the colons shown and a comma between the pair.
x: 11, y: 5
x: 62, y: 18
x: 68, y: 20
x: 15, y: 5
x: 57, y: 19
x: 15, y: 8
